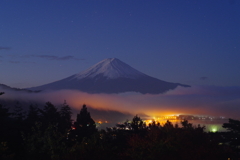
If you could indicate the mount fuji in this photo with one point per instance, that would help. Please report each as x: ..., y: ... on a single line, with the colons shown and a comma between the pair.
x: 111, y: 76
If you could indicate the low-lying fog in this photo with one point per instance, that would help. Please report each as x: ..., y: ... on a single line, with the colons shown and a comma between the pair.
x: 197, y: 100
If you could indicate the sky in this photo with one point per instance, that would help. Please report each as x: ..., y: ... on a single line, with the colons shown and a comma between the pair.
x: 195, y: 42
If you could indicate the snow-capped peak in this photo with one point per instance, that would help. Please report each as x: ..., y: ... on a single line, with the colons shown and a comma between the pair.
x: 110, y: 68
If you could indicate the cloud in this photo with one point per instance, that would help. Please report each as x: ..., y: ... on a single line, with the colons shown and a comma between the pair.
x: 196, y: 100
x: 15, y: 58
x: 200, y: 90
x: 52, y: 57
x: 5, y: 48
x: 19, y: 62
x: 15, y: 62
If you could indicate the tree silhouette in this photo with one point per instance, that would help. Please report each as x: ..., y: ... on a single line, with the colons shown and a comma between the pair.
x: 4, y: 122
x: 44, y: 144
x: 6, y: 151
x: 137, y: 123
x: 84, y: 125
x: 186, y: 124
x: 33, y: 114
x: 232, y: 126
x: 234, y: 135
x: 3, y: 113
x: 65, y: 118
x: 32, y: 118
x: 18, y: 113
x: 49, y: 115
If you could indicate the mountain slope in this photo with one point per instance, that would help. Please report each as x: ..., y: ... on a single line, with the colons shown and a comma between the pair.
x: 5, y: 88
x: 111, y: 76
x: 111, y: 68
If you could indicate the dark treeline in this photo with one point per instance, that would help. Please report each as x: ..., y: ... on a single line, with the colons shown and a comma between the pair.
x: 49, y: 133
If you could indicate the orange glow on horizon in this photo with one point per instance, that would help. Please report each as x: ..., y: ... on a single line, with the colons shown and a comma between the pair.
x: 148, y: 105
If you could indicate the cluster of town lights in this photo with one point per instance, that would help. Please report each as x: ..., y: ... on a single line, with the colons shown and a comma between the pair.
x: 175, y: 119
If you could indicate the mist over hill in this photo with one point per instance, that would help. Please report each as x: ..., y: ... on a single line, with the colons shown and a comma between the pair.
x: 195, y: 100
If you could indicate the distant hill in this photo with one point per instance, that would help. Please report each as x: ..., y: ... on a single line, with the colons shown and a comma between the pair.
x: 111, y: 76
x: 4, y: 88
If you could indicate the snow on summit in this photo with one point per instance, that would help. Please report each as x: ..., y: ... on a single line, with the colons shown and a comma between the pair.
x: 111, y: 68
x: 111, y: 76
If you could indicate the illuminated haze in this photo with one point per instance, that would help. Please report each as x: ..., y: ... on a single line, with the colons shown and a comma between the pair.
x: 197, y: 100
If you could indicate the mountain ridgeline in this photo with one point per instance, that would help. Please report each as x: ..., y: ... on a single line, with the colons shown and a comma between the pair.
x: 5, y: 88
x: 111, y: 76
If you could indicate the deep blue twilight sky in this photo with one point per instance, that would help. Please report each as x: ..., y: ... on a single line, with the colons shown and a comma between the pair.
x: 194, y: 42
